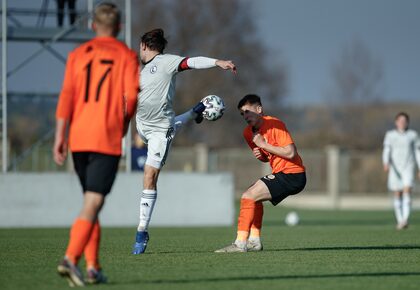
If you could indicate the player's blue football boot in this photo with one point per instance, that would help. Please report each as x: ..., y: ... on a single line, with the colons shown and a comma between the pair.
x: 141, y: 243
x: 199, y: 109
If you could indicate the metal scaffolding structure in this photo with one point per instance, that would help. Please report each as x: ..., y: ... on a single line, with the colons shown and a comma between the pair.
x: 3, y: 135
x: 46, y: 36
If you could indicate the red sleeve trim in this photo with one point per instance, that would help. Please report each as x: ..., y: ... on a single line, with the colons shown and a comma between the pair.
x: 183, y: 65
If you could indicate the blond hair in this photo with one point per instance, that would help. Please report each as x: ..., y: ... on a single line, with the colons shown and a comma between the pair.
x: 107, y: 15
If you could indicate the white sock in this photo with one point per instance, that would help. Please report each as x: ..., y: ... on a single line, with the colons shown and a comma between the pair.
x: 255, y: 240
x: 182, y: 119
x: 147, y: 203
x: 398, y: 209
x: 406, y: 206
x: 240, y: 244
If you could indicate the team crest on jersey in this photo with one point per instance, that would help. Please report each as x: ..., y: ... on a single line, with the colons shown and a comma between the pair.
x: 153, y: 69
x: 269, y: 177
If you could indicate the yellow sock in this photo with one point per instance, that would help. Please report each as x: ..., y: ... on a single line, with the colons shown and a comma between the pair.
x: 242, y: 236
x: 255, y: 233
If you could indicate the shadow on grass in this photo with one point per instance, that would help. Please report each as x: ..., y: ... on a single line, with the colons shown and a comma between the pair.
x: 337, y: 248
x: 279, y: 277
x: 332, y: 222
x: 350, y: 248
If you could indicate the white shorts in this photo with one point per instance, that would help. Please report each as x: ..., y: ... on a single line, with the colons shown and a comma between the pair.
x: 158, y: 145
x: 398, y: 179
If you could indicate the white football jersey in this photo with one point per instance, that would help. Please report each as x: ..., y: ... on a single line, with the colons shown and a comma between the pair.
x: 401, y: 149
x: 157, y: 90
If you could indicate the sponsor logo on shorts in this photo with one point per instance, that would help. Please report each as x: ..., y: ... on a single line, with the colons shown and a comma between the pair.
x: 269, y: 177
x: 153, y: 69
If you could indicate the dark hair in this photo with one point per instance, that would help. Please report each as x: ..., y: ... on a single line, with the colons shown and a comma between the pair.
x: 249, y: 99
x: 402, y: 114
x: 155, y: 40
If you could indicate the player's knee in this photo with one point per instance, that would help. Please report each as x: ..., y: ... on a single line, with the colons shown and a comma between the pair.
x: 150, y: 180
x: 249, y: 195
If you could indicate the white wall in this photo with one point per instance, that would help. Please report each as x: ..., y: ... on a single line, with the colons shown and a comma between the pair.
x: 55, y: 199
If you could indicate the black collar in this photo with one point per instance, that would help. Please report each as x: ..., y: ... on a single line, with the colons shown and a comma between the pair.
x: 152, y: 58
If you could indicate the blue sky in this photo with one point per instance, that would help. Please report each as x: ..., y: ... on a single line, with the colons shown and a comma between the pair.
x: 308, y: 35
x: 311, y: 34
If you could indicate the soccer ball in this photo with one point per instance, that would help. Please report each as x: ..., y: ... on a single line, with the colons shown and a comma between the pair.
x: 292, y: 219
x: 214, y: 107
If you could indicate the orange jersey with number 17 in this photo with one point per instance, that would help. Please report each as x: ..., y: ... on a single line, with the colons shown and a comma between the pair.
x: 99, y: 92
x: 275, y: 133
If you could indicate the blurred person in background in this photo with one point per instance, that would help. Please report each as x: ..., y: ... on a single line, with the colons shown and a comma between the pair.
x: 401, y: 152
x: 71, y: 7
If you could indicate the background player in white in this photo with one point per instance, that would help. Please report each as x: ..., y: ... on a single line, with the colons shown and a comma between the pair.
x: 155, y: 120
x: 400, y: 153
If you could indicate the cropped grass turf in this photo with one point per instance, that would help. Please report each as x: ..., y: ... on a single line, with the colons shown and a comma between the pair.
x: 328, y: 250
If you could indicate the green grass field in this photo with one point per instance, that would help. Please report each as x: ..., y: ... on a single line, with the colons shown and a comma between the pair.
x: 328, y: 250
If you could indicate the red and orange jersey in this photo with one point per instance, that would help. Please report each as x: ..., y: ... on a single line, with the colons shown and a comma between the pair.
x: 99, y: 92
x: 275, y: 133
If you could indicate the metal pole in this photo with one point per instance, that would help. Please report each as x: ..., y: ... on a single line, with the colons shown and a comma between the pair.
x: 90, y: 10
x: 4, y: 85
x: 333, y: 175
x: 127, y: 30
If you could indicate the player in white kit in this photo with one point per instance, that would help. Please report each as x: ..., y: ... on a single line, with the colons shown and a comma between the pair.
x: 400, y: 154
x: 155, y: 119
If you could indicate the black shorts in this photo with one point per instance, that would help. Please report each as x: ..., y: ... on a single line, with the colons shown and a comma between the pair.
x: 96, y: 171
x: 281, y: 185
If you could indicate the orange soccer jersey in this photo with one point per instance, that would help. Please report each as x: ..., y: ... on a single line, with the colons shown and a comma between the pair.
x: 99, y: 91
x: 275, y: 133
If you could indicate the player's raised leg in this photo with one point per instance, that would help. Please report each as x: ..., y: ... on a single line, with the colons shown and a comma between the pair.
x: 196, y: 113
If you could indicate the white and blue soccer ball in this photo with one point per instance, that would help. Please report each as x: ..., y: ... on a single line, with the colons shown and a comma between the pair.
x: 215, y: 107
x: 292, y: 219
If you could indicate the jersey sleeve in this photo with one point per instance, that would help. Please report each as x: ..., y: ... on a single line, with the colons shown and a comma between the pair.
x: 65, y: 100
x: 172, y: 63
x: 131, y: 83
x: 386, y: 152
x: 281, y: 135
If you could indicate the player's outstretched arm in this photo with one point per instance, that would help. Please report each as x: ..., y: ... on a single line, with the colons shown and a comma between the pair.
x: 227, y: 65
x: 201, y: 62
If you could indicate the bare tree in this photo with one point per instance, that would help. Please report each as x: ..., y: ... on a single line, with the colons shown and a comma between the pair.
x: 221, y: 29
x: 357, y: 76
x: 357, y: 84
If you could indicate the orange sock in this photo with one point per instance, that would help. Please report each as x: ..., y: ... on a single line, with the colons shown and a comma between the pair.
x: 246, y: 216
x: 257, y: 222
x: 79, y: 236
x: 92, y: 247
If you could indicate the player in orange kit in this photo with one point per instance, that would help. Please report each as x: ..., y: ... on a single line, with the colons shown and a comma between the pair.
x: 97, y: 101
x: 270, y: 141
